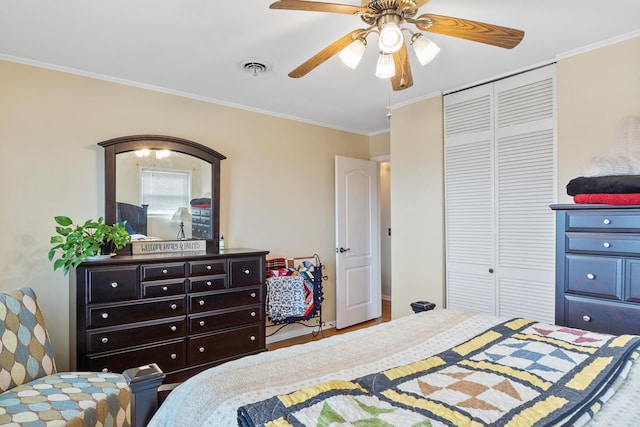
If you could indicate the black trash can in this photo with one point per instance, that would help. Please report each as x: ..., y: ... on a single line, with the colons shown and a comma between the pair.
x: 420, y: 306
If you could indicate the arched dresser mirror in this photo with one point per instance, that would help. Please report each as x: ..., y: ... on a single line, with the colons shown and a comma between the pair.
x: 163, y: 186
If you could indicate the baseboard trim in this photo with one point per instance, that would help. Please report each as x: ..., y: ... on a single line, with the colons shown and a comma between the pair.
x: 294, y: 330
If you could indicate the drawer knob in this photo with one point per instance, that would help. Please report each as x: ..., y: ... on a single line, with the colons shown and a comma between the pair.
x: 586, y: 318
x: 173, y: 356
x: 114, y: 285
x: 105, y: 369
x: 201, y: 349
x: 253, y: 314
x: 209, y: 283
x: 606, y: 244
x: 165, y: 288
x: 105, y: 315
x: 165, y: 271
x: 201, y: 302
x: 173, y: 328
x: 104, y: 340
x: 209, y: 267
x: 607, y: 221
x: 252, y: 337
x: 246, y: 272
x: 253, y: 294
x: 173, y: 306
x: 201, y: 323
x: 591, y: 276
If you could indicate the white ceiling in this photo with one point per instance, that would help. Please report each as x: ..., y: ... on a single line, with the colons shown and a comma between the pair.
x: 196, y: 47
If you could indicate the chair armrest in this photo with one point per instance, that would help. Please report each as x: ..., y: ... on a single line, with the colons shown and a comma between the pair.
x: 143, y: 382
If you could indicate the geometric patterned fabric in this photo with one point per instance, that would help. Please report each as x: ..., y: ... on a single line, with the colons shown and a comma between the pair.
x: 72, y: 399
x: 518, y: 373
x: 34, y: 395
x: 25, y: 350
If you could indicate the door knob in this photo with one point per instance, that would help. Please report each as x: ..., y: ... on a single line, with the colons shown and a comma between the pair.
x: 344, y: 250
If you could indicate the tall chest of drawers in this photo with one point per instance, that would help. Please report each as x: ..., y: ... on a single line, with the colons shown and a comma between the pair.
x: 184, y: 312
x: 598, y: 267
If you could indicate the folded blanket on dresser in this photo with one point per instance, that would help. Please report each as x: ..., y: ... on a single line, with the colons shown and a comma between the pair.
x: 614, y: 184
x: 608, y: 199
x: 518, y: 373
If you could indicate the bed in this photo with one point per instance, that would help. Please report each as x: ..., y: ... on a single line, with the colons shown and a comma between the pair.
x: 455, y: 367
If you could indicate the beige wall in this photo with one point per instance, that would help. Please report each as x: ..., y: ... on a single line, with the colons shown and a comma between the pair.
x: 277, y: 180
x: 596, y: 90
x: 417, y: 263
x: 380, y: 145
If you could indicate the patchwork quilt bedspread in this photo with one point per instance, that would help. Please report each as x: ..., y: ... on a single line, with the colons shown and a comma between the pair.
x: 518, y: 373
x: 437, y: 368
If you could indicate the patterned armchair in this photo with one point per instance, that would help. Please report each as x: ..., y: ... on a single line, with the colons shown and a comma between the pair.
x: 34, y: 394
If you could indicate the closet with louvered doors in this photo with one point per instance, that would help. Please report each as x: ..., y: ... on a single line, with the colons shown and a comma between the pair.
x: 500, y: 178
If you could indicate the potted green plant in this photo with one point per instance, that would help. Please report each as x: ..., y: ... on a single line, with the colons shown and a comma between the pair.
x: 77, y: 243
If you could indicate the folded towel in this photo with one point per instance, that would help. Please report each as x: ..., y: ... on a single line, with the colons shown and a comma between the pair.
x: 615, y: 184
x: 609, y: 199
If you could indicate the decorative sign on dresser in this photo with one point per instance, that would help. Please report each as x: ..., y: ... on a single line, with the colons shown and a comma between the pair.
x: 598, y: 267
x: 182, y: 311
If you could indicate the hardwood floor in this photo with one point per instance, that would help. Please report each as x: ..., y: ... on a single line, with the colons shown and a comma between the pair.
x: 386, y: 316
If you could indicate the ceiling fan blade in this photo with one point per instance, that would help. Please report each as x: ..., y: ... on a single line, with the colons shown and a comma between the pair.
x: 315, y: 6
x: 403, y: 78
x: 420, y: 3
x: 494, y: 35
x: 324, y: 54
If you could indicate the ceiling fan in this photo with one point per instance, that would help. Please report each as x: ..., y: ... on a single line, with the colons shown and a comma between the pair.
x: 387, y: 18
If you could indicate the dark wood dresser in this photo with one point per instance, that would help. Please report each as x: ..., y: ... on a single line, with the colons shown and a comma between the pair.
x: 185, y: 312
x: 598, y: 267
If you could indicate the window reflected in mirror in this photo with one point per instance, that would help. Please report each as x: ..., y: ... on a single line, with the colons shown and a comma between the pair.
x: 163, y: 194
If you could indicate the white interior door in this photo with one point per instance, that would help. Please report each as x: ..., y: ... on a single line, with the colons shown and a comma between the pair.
x: 358, y: 293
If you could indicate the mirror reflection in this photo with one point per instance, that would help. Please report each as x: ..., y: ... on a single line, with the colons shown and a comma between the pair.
x: 163, y: 194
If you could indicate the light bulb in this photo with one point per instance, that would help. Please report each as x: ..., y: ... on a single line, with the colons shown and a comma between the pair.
x: 161, y: 154
x: 424, y: 48
x: 386, y: 66
x: 352, y: 54
x: 390, y: 39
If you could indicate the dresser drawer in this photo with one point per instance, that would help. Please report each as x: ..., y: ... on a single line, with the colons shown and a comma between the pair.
x: 221, y: 345
x: 597, y: 276
x: 208, y: 283
x: 112, y: 339
x: 602, y: 316
x: 163, y: 288
x: 163, y: 271
x: 206, y: 268
x: 603, y: 244
x: 603, y: 221
x: 129, y: 313
x: 246, y: 272
x: 112, y: 284
x: 220, y: 300
x: 632, y: 272
x: 227, y: 319
x: 169, y: 357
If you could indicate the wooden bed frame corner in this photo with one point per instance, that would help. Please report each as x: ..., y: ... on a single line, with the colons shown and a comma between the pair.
x: 144, y: 382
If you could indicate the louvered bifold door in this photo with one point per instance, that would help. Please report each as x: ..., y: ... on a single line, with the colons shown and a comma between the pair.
x: 469, y: 199
x: 525, y: 122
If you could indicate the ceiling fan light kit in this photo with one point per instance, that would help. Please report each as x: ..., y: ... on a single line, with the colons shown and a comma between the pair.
x: 387, y: 18
x: 352, y: 54
x: 386, y: 67
x: 424, y: 48
x: 390, y: 39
